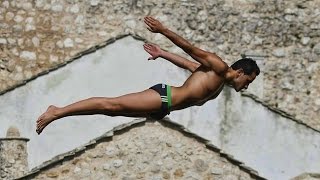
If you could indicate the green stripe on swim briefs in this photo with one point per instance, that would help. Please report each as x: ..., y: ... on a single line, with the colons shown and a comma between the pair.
x: 169, y: 96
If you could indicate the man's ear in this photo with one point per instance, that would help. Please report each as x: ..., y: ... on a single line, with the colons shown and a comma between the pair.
x: 239, y: 72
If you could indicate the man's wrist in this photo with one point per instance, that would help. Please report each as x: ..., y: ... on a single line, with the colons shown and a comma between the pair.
x: 162, y: 52
x: 164, y: 31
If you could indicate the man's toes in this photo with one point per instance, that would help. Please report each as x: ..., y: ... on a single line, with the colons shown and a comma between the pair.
x: 39, y: 120
x: 41, y: 117
x: 38, y: 124
x: 39, y: 129
x: 42, y: 125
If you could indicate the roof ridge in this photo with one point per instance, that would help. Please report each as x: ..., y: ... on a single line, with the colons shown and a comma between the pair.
x: 212, y: 147
x: 277, y: 110
x: 138, y: 122
x: 73, y: 58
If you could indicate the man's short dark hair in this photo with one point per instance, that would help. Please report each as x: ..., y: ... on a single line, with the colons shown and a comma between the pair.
x: 248, y: 65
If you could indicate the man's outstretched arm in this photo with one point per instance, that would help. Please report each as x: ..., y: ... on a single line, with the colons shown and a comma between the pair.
x: 156, y: 51
x: 208, y: 59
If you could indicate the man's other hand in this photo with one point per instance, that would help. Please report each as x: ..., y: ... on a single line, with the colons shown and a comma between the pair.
x: 153, y: 50
x: 153, y: 25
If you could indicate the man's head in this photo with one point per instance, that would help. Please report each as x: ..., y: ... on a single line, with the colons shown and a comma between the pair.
x: 246, y: 70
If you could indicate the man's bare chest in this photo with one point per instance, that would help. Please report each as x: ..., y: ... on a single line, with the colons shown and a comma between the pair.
x: 212, y: 95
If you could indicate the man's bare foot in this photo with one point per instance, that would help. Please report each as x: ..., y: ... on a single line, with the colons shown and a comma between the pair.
x: 46, y: 118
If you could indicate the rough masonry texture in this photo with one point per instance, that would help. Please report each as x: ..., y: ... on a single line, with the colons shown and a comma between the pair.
x: 39, y: 35
x: 13, y: 155
x: 145, y: 150
x: 307, y: 176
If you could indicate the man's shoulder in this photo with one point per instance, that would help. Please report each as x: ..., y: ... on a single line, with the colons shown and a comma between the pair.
x: 218, y: 65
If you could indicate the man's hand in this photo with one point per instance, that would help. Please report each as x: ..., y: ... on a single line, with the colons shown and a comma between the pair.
x: 154, y: 50
x: 153, y: 25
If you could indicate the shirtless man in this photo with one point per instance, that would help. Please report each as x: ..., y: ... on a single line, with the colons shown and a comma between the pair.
x: 208, y: 77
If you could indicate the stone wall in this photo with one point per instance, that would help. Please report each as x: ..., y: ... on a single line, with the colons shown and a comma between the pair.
x: 151, y: 151
x: 307, y: 176
x: 38, y: 35
x: 13, y: 155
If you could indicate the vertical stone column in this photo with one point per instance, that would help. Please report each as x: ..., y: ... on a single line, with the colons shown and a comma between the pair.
x: 13, y: 155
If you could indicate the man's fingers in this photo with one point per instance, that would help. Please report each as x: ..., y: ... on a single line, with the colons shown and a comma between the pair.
x: 151, y: 18
x: 146, y: 47
x: 152, y: 45
x: 153, y: 21
x: 149, y: 25
x: 148, y: 18
x: 148, y: 51
x: 149, y: 46
x: 147, y: 21
x: 150, y: 22
x: 150, y: 29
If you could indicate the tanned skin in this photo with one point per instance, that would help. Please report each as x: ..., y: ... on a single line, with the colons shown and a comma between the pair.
x: 209, y: 75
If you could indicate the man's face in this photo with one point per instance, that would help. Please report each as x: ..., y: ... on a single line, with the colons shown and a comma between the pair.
x: 242, y: 81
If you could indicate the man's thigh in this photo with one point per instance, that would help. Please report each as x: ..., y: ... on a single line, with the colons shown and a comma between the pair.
x: 139, y: 103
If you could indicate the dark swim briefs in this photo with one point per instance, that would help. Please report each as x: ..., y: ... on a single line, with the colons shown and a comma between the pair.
x: 165, y: 94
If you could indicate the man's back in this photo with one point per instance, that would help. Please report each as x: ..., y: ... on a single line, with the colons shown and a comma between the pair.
x: 202, y: 85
